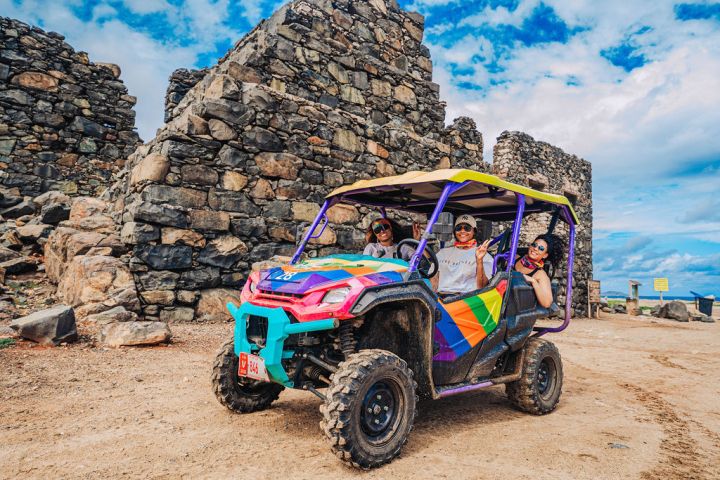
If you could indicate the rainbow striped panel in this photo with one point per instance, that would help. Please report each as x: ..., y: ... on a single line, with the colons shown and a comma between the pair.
x: 465, y: 323
x: 299, y: 278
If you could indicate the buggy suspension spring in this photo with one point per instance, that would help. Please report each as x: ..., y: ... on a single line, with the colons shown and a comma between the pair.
x: 347, y: 339
x: 316, y: 373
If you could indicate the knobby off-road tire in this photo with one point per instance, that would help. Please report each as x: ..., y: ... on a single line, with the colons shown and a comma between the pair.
x: 370, y: 408
x: 239, y: 394
x: 540, y: 385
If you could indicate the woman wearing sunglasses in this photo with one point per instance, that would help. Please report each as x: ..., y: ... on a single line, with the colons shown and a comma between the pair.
x: 465, y: 266
x: 380, y: 237
x: 545, y: 249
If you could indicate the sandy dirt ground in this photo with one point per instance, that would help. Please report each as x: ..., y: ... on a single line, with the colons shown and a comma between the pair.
x: 641, y: 399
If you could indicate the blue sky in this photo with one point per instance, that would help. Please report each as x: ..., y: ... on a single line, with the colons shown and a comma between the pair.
x: 632, y: 86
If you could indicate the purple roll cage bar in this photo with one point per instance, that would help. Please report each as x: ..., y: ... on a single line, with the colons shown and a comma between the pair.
x: 448, y: 190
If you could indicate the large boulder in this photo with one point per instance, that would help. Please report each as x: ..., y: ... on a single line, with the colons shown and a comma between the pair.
x: 19, y: 210
x: 98, y: 283
x: 18, y: 266
x: 65, y: 243
x: 54, y: 214
x: 84, y: 207
x: 701, y: 317
x: 49, y: 327
x: 7, y: 254
x: 675, y: 311
x: 117, y: 314
x: 33, y: 233
x: 134, y: 333
x: 52, y: 197
x: 212, y: 304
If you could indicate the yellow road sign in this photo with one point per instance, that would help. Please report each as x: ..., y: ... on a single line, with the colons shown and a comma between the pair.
x: 661, y: 284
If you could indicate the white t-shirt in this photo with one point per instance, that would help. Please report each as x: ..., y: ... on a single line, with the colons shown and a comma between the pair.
x: 458, y: 269
x: 378, y: 250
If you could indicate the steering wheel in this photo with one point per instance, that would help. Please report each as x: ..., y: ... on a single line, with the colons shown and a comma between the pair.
x: 428, y: 268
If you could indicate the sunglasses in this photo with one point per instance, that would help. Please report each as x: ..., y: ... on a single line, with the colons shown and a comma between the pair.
x: 380, y: 227
x: 538, y: 246
x: 463, y: 227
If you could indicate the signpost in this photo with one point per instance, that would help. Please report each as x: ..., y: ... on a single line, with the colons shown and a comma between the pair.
x: 661, y: 285
x: 594, y: 297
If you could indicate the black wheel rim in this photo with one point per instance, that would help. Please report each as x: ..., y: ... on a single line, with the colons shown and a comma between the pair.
x: 546, y: 377
x: 379, y: 414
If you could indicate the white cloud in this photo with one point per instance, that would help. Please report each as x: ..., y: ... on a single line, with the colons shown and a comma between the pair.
x: 253, y: 9
x: 144, y: 7
x: 641, y: 130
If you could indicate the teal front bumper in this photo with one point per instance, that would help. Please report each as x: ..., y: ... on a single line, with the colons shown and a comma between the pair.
x: 279, y: 328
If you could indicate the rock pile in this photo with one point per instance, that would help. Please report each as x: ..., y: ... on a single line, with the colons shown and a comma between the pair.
x: 65, y: 123
x: 25, y: 224
x: 675, y: 311
x: 83, y: 254
x: 678, y: 311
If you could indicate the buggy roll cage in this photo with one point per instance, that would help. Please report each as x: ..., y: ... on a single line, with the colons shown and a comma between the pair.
x: 462, y: 191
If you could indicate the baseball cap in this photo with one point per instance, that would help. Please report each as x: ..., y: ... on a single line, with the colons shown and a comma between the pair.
x: 469, y: 219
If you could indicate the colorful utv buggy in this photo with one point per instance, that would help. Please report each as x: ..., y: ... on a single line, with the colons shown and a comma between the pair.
x: 369, y: 335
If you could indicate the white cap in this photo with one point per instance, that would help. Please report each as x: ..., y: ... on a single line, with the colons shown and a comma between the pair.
x: 469, y: 219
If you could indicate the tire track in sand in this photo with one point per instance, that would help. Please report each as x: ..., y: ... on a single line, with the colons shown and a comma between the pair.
x: 681, y: 455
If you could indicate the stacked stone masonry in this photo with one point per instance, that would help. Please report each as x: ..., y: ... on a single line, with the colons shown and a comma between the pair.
x: 520, y: 159
x: 65, y: 123
x: 320, y: 95
x: 181, y: 81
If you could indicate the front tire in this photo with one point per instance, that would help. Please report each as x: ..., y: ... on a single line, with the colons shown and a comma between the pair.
x: 540, y: 385
x: 240, y: 394
x: 370, y: 408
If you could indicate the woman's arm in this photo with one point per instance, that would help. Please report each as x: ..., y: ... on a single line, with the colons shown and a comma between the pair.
x: 542, y: 287
x: 480, y: 275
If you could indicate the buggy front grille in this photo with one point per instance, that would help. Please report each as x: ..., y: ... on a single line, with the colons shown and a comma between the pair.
x: 257, y: 330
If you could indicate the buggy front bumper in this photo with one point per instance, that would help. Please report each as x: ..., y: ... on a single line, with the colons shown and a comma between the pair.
x: 279, y: 328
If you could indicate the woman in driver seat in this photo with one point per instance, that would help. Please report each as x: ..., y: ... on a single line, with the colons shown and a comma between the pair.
x: 380, y: 237
x: 465, y: 266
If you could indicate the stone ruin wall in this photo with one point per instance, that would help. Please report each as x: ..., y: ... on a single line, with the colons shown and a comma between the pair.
x: 179, y: 84
x: 521, y: 159
x: 65, y: 123
x: 318, y: 96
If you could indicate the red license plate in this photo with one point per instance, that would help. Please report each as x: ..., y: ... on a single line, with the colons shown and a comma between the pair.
x: 252, y: 366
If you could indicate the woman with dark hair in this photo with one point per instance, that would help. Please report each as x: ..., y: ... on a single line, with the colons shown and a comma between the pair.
x: 545, y: 249
x: 380, y: 237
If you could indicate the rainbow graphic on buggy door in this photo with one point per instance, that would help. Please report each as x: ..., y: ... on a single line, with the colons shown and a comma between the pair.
x: 465, y: 323
x: 301, y: 277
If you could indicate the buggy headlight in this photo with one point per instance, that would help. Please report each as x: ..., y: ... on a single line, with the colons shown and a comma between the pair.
x: 252, y: 285
x: 336, y: 296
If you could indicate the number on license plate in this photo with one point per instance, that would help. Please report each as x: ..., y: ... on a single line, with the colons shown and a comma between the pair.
x: 252, y: 366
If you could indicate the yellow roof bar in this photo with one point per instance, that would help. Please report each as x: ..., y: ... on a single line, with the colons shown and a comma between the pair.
x: 456, y: 175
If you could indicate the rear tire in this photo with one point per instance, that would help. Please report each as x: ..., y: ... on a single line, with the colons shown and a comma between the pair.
x: 239, y: 394
x: 370, y: 408
x: 540, y: 385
